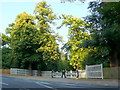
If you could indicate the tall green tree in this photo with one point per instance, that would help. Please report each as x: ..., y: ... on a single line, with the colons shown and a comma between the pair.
x: 105, y: 20
x: 32, y: 41
x: 46, y: 37
x: 77, y: 33
x: 22, y: 34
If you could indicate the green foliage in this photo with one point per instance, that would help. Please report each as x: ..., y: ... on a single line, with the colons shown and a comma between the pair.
x: 6, y: 58
x: 77, y: 34
x: 5, y: 40
x: 21, y: 39
x: 104, y: 20
x: 64, y: 63
x: 30, y: 41
x: 33, y: 44
x: 45, y: 36
x: 97, y: 55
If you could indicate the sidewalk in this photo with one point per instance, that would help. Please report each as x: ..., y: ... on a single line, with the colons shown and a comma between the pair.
x: 105, y: 82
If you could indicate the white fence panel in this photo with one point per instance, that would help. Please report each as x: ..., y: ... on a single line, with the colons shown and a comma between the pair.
x: 19, y: 71
x: 82, y: 73
x: 13, y: 71
x: 57, y: 74
x: 71, y: 74
x: 46, y: 73
x: 94, y: 71
x: 34, y: 72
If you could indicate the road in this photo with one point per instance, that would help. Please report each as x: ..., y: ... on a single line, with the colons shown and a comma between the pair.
x: 11, y: 83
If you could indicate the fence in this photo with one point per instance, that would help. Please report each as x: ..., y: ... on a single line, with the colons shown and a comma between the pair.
x: 19, y: 71
x: 109, y: 73
x: 69, y: 74
x: 94, y: 71
x: 46, y: 73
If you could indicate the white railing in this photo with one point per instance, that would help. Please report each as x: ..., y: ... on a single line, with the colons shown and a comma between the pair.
x: 46, y: 73
x: 94, y: 71
x: 57, y: 74
x: 22, y: 71
x: 69, y: 74
x: 82, y: 73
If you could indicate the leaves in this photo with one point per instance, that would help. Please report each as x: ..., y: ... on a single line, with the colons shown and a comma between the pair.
x: 104, y: 20
x: 77, y: 34
x: 33, y: 42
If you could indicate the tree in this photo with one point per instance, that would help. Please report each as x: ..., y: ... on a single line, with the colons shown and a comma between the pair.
x: 6, y: 58
x: 77, y: 34
x: 6, y: 52
x: 104, y: 20
x: 22, y: 43
x: 45, y: 36
x: 64, y: 62
x: 33, y: 44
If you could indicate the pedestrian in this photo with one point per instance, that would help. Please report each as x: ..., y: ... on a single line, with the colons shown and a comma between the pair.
x: 77, y: 73
x: 63, y: 74
x: 52, y: 74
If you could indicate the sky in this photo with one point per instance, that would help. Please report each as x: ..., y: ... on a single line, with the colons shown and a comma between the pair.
x: 9, y: 9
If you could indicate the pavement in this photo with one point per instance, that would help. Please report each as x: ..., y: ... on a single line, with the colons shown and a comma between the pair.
x: 100, y: 82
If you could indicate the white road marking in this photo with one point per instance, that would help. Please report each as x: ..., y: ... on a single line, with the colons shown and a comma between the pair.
x: 70, y: 84
x: 43, y: 85
x: 24, y: 89
x: 3, y: 83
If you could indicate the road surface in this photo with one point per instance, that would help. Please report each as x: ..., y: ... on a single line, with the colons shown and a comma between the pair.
x: 11, y: 83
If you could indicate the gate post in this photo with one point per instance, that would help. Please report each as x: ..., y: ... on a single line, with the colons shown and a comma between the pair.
x: 102, y: 70
x: 86, y: 73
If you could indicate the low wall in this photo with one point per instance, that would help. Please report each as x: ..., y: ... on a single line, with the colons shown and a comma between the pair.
x: 4, y: 71
x: 111, y: 73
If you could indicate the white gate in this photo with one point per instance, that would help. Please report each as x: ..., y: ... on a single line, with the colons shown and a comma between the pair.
x: 94, y: 71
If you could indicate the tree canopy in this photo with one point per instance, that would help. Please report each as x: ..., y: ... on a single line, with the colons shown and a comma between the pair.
x: 104, y: 20
x: 31, y: 43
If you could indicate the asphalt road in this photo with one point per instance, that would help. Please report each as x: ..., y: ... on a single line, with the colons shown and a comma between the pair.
x: 11, y: 83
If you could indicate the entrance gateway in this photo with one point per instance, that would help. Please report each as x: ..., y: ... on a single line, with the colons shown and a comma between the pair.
x: 94, y: 71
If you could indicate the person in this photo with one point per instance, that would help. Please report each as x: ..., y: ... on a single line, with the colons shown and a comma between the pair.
x: 52, y: 74
x: 77, y: 73
x: 63, y: 74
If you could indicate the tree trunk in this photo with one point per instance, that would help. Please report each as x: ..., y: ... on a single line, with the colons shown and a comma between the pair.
x: 30, y: 68
x: 114, y: 59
